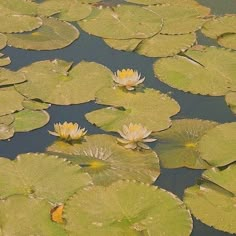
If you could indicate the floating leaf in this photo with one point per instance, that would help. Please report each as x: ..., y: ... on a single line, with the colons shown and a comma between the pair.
x: 124, y: 22
x: 22, y: 216
x: 3, y: 41
x: 210, y: 71
x: 230, y: 99
x: 42, y: 175
x: 35, y: 105
x: 18, y: 23
x: 4, y: 61
x: 72, y: 10
x: 56, y: 214
x: 209, y: 201
x: 151, y: 108
x: 228, y: 41
x: 53, y: 34
x: 10, y: 101
x: 8, y: 77
x: 54, y: 82
x: 123, y: 44
x: 177, y: 146
x: 126, y: 208
x: 106, y: 161
x: 27, y: 120
x: 7, y: 120
x: 165, y: 45
x: 6, y: 131
x: 217, y: 146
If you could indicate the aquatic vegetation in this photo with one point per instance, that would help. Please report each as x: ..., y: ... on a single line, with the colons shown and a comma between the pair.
x: 214, y: 197
x: 106, y: 161
x: 56, y: 214
x: 230, y: 99
x: 68, y: 131
x: 128, y: 78
x: 134, y: 136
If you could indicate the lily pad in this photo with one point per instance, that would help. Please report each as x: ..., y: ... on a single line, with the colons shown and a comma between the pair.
x: 3, y: 41
x: 126, y: 208
x: 27, y: 120
x: 57, y: 83
x: 106, y: 161
x: 53, y: 34
x: 209, y: 201
x: 18, y: 23
x: 210, y: 71
x: 230, y: 99
x: 72, y: 10
x: 35, y: 105
x: 4, y: 61
x: 22, y: 216
x: 177, y: 146
x: 38, y: 175
x: 124, y: 22
x: 217, y: 146
x: 151, y: 108
x: 227, y: 41
x: 8, y: 77
x: 165, y: 45
x: 10, y: 101
x: 6, y: 131
x: 123, y: 44
x: 7, y: 120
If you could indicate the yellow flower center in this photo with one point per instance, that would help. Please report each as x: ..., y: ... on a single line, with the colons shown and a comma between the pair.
x: 125, y: 73
x: 190, y: 145
x: 96, y: 164
x: 135, y: 128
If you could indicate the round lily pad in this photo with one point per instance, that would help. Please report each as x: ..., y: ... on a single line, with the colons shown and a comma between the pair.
x: 126, y: 208
x: 8, y: 77
x: 165, y: 45
x: 6, y: 131
x: 207, y: 71
x: 41, y: 175
x: 217, y: 146
x: 4, y: 61
x: 209, y: 201
x: 230, y: 99
x: 123, y: 22
x: 10, y: 101
x: 18, y: 23
x: 57, y: 83
x: 27, y: 120
x: 53, y: 34
x: 22, y: 216
x: 177, y: 146
x: 150, y: 107
x: 35, y: 105
x: 227, y: 41
x: 106, y: 161
x: 3, y: 41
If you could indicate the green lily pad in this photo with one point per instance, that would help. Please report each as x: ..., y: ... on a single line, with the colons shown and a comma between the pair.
x: 124, y: 22
x: 219, y: 26
x: 217, y: 146
x: 178, y: 19
x: 57, y: 83
x: 209, y: 201
x: 7, y: 120
x: 106, y: 161
x: 35, y: 105
x: 27, y: 120
x: 4, y: 61
x: 210, y: 71
x: 227, y: 41
x: 41, y: 175
x: 151, y: 108
x: 126, y: 208
x: 165, y: 45
x: 3, y: 41
x: 123, y: 44
x: 230, y: 99
x: 8, y: 77
x: 72, y: 10
x: 22, y: 216
x: 18, y: 23
x: 6, y: 131
x: 177, y: 146
x: 10, y: 101
x: 53, y: 34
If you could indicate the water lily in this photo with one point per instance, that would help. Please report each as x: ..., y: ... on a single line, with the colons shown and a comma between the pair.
x: 134, y: 136
x: 128, y: 78
x: 68, y: 131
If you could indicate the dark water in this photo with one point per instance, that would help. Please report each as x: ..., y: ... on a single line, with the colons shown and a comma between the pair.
x: 92, y: 48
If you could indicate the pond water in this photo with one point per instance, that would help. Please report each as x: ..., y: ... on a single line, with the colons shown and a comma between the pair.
x: 92, y: 48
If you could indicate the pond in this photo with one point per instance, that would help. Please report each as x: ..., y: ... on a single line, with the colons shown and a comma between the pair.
x: 194, y: 104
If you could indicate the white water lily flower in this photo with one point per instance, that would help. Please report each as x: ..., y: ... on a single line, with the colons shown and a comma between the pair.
x: 68, y: 131
x: 128, y: 78
x: 134, y: 136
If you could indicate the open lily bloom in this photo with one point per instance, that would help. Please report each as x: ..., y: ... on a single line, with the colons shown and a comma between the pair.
x: 68, y: 131
x: 134, y: 136
x: 128, y: 78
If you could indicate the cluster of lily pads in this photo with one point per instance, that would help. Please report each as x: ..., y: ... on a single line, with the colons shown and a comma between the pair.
x: 102, y: 184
